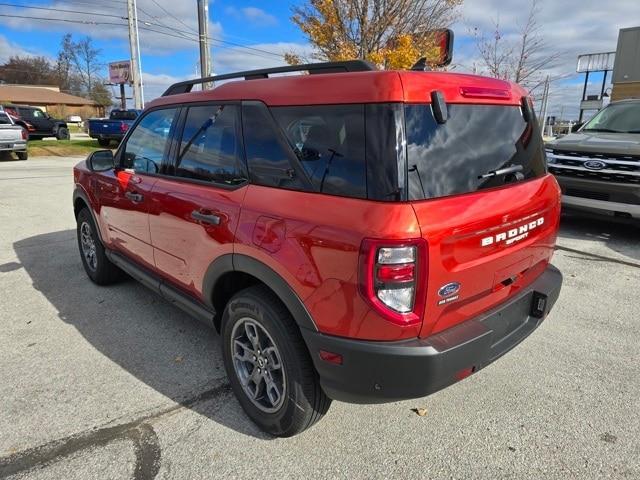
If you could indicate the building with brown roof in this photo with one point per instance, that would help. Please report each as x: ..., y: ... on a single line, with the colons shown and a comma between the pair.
x: 51, y: 100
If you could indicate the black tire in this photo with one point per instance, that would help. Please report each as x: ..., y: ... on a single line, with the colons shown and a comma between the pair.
x: 102, y: 271
x: 304, y: 400
x: 62, y: 133
x: 22, y: 155
x: 103, y: 142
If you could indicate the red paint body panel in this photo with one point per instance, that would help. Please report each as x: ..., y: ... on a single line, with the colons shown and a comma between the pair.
x: 318, y: 256
x: 183, y: 247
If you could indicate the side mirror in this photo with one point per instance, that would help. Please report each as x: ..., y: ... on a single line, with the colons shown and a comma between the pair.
x: 576, y: 127
x: 101, y: 161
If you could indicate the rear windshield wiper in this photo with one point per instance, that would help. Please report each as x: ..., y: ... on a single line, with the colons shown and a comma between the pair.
x: 503, y: 171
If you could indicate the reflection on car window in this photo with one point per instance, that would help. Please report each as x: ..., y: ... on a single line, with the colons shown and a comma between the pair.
x: 147, y: 143
x: 4, y: 119
x: 209, y: 146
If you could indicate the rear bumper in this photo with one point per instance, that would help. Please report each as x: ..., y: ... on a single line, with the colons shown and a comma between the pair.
x: 377, y: 372
x: 13, y: 146
x: 107, y: 136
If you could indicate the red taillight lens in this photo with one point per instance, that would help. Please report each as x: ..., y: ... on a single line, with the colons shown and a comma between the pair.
x: 24, y: 134
x: 124, y: 127
x: 396, y: 273
x: 393, y: 277
x: 331, y: 357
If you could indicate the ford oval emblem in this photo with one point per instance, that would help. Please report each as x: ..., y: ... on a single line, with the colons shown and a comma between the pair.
x: 449, y: 289
x: 595, y: 165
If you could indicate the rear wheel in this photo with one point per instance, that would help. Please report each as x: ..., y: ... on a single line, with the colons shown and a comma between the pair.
x: 22, y: 155
x: 99, y: 268
x: 268, y: 364
x: 103, y: 142
x: 62, y: 133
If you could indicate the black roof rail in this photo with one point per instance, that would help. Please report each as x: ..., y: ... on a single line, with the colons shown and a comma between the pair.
x: 312, y: 68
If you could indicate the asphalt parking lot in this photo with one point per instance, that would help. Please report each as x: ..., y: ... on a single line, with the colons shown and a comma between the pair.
x: 116, y: 383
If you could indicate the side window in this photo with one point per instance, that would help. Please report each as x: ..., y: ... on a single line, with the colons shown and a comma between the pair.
x: 25, y: 112
x: 38, y: 113
x: 267, y: 158
x: 209, y: 146
x: 147, y: 144
x: 329, y: 141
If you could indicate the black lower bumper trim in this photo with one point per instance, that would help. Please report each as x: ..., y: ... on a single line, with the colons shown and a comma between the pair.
x: 378, y: 372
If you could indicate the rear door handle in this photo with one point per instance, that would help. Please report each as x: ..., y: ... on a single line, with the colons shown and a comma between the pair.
x: 210, y: 218
x: 134, y: 197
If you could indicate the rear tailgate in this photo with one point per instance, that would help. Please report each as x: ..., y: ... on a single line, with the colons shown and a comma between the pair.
x: 489, y: 244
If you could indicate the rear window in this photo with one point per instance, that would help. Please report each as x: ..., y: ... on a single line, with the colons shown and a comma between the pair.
x: 123, y: 115
x: 451, y: 158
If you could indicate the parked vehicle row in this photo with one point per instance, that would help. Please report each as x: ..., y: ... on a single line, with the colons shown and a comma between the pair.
x: 36, y: 122
x: 353, y: 234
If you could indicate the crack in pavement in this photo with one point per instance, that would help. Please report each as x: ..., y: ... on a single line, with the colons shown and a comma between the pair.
x: 599, y: 257
x: 140, y: 432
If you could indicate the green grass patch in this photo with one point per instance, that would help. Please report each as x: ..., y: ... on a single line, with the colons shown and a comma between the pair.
x: 62, y: 148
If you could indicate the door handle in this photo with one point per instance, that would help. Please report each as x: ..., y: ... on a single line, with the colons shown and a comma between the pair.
x: 134, y: 197
x: 210, y: 218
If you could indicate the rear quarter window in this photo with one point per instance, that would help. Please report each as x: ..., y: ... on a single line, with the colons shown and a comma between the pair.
x: 449, y: 159
x: 329, y: 141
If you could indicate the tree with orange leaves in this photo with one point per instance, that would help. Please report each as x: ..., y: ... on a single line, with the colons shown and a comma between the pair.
x: 393, y: 34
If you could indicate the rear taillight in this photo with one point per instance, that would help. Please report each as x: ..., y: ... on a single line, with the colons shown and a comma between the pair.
x: 124, y: 127
x: 23, y: 132
x: 393, y: 277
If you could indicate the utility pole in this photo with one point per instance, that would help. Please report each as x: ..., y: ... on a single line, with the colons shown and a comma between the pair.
x: 205, y: 50
x: 545, y: 101
x: 134, y: 46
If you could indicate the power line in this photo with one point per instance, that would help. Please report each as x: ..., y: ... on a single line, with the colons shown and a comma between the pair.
x: 60, y: 10
x: 67, y: 20
x: 174, y: 17
x: 180, y: 33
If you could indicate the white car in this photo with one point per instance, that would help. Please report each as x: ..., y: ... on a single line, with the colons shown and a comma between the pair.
x: 13, y: 138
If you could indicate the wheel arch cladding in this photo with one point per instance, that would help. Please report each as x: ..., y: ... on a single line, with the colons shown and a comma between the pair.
x: 80, y: 201
x: 244, y: 271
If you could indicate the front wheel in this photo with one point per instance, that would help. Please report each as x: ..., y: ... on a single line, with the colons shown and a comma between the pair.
x: 62, y: 134
x: 268, y: 364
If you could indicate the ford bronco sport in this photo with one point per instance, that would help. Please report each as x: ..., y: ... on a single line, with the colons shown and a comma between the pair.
x: 353, y: 234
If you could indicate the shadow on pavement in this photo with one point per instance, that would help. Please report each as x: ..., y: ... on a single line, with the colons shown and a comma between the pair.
x: 621, y: 237
x: 138, y: 330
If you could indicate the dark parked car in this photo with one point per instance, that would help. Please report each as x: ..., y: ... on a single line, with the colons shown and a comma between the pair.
x: 112, y: 128
x: 37, y: 123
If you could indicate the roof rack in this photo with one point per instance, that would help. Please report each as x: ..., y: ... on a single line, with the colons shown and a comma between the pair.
x: 312, y: 68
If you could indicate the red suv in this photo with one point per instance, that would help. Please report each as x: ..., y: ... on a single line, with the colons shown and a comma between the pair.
x: 353, y: 234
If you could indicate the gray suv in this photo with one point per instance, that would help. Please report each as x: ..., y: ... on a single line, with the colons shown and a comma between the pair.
x: 598, y: 167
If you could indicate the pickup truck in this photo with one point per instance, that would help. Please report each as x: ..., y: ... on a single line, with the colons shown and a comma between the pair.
x: 13, y: 138
x: 598, y: 167
x: 112, y: 128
